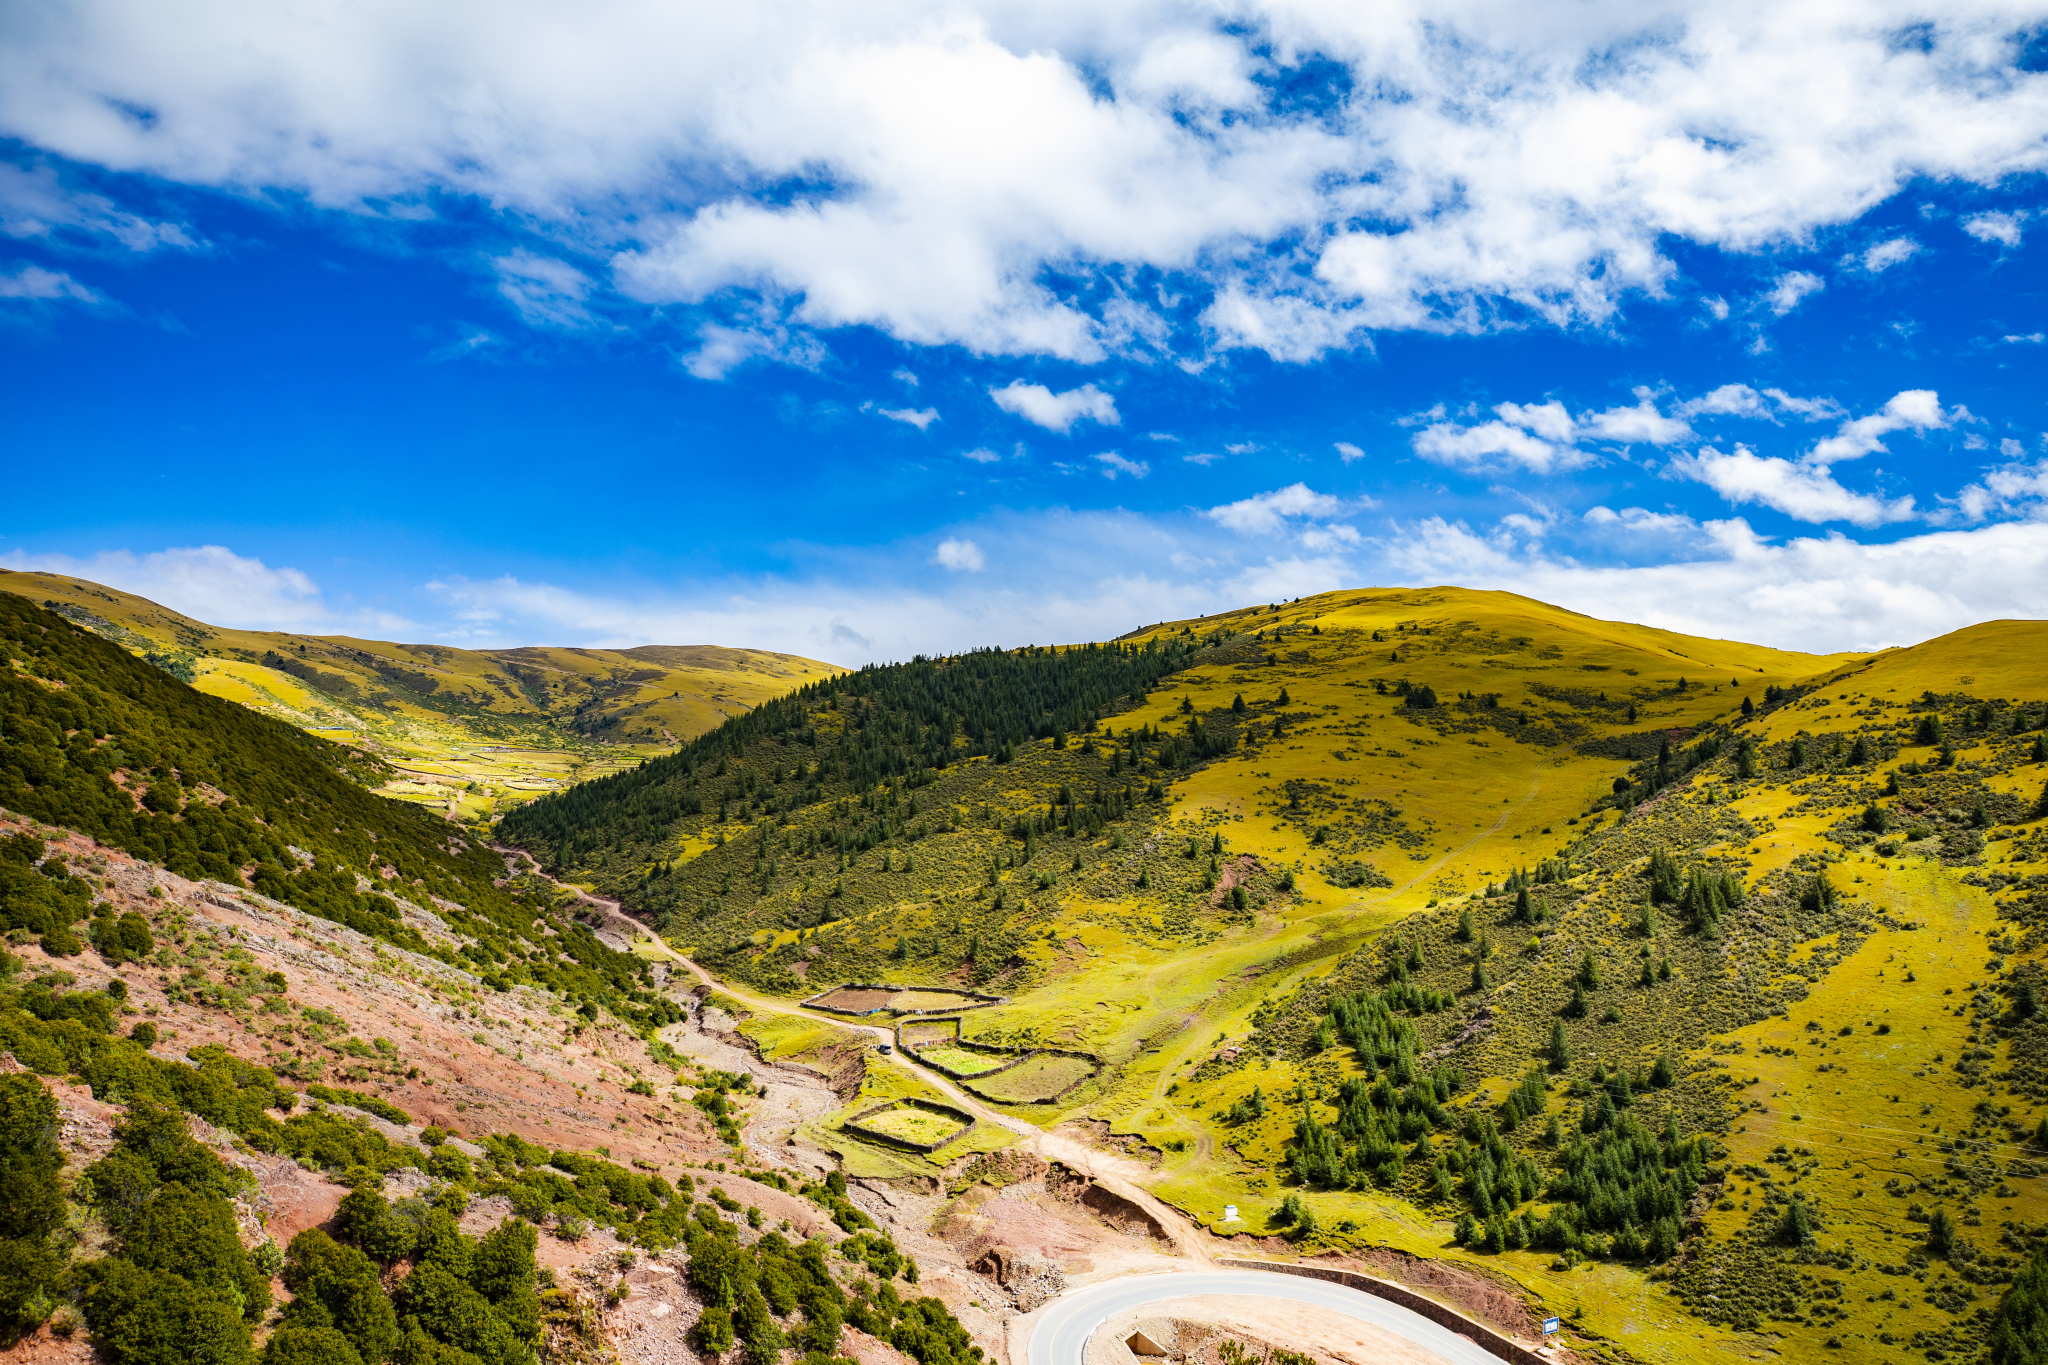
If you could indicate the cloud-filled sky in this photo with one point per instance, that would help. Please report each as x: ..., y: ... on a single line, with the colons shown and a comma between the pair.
x: 858, y: 331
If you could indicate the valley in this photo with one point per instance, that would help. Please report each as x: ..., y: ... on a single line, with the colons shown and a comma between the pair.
x: 1684, y: 989
x: 470, y: 733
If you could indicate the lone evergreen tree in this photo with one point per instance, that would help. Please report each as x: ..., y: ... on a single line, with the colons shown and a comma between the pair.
x: 1560, y: 1049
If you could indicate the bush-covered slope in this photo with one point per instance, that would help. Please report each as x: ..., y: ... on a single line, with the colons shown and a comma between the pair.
x: 99, y: 741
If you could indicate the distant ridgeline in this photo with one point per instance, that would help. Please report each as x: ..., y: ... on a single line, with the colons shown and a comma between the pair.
x: 99, y: 741
x: 882, y: 724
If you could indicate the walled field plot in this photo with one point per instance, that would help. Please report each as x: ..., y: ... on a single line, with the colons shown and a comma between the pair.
x: 914, y: 1034
x: 853, y: 1000
x: 1038, y: 1080
x: 961, y: 1062
x: 918, y: 1126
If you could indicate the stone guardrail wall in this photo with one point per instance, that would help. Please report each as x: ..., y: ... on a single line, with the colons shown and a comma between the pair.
x: 1507, y: 1348
x: 854, y: 1125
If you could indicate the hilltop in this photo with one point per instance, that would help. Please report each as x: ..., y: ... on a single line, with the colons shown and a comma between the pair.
x: 473, y: 732
x: 1633, y: 967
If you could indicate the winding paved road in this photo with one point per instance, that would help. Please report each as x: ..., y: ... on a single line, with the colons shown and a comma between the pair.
x: 1061, y: 1335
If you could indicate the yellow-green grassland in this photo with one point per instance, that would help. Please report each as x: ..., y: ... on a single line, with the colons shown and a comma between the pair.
x: 1687, y: 983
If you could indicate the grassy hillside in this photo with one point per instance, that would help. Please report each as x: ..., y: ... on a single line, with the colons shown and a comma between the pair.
x: 470, y: 732
x: 98, y: 741
x: 1460, y: 923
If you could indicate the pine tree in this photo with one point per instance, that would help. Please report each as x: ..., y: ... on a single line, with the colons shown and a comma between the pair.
x: 1464, y: 926
x: 1589, y: 971
x: 1941, y: 1233
x: 1648, y: 924
x: 1479, y: 982
x: 1649, y: 975
x: 1577, y: 1006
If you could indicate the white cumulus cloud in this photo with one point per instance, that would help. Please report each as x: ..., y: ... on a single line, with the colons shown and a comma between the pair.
x: 961, y: 556
x: 1114, y: 464
x: 215, y: 585
x: 1056, y: 411
x: 1885, y: 255
x: 921, y: 418
x: 1807, y: 492
x: 1267, y: 514
x: 1791, y: 289
x: 943, y: 170
x: 2003, y: 228
x: 1913, y: 409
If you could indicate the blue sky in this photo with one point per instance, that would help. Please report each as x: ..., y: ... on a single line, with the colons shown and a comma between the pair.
x: 939, y: 326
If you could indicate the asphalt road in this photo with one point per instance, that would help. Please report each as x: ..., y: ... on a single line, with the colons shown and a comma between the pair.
x: 1061, y: 1335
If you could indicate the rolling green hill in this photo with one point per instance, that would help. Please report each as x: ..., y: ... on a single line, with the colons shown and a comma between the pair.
x: 1681, y: 981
